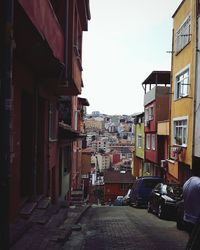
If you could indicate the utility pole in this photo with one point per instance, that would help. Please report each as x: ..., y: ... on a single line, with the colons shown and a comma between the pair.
x: 6, y: 54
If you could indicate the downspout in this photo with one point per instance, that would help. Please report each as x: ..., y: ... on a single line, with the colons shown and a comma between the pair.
x: 170, y: 102
x: 7, y: 15
x: 197, y: 50
x: 66, y: 37
x: 35, y: 157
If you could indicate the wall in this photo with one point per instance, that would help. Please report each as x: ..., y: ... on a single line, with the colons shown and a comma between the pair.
x: 112, y: 190
x: 139, y: 130
x: 184, y: 106
x: 86, y: 163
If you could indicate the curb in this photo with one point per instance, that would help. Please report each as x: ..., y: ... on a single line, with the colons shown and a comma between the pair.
x: 68, y: 231
x: 77, y: 219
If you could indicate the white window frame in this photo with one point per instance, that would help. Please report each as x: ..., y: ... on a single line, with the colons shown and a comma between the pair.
x: 183, y: 34
x: 146, y: 113
x: 183, y: 130
x: 148, y: 141
x: 153, y: 142
x: 151, y: 112
x: 182, y: 83
x: 139, y: 141
x: 76, y: 119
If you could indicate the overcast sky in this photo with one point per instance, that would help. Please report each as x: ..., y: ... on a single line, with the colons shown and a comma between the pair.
x: 126, y: 41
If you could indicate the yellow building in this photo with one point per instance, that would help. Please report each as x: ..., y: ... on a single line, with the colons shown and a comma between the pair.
x: 94, y: 124
x: 182, y: 91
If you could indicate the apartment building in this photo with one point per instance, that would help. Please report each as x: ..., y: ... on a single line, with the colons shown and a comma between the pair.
x: 183, y: 92
x: 156, y: 107
x: 138, y: 154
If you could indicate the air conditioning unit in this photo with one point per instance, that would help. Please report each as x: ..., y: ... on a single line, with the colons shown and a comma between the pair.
x: 162, y: 163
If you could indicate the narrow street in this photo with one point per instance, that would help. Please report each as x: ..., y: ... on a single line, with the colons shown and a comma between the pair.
x: 125, y: 228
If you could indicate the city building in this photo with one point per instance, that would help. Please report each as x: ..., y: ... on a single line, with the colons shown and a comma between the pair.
x: 156, y: 109
x: 138, y: 168
x: 47, y: 77
x: 184, y: 139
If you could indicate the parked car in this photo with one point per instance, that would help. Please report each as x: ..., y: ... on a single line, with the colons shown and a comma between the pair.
x: 118, y: 201
x: 126, y: 198
x: 163, y: 200
x: 141, y: 190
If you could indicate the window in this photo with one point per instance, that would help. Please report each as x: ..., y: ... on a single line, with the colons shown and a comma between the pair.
x: 151, y: 113
x: 153, y: 142
x: 78, y: 40
x: 123, y: 186
x: 139, y: 141
x: 52, y: 121
x: 148, y: 141
x: 66, y: 160
x: 182, y: 84
x: 146, y: 114
x: 180, y: 132
x: 183, y: 35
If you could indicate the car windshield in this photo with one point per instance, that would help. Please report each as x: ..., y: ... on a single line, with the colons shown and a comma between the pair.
x: 150, y: 183
x: 172, y: 190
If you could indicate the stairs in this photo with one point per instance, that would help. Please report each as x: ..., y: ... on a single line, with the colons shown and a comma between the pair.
x: 77, y: 198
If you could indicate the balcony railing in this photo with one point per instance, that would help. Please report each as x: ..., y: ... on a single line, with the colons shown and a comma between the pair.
x: 178, y: 153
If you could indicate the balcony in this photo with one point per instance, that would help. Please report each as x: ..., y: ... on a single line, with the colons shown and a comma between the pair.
x: 72, y: 84
x: 65, y: 111
x: 178, y: 153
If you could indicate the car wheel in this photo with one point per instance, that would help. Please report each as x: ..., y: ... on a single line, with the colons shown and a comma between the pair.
x: 149, y: 209
x: 161, y: 214
x: 180, y: 223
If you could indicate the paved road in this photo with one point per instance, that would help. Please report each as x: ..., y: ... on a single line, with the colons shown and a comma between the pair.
x: 127, y: 228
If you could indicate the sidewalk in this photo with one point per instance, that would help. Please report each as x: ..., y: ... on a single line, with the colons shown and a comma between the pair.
x: 47, y: 229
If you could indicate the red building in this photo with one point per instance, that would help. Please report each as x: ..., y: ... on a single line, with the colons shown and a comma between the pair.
x: 116, y: 158
x: 156, y: 107
x: 116, y: 184
x: 47, y: 77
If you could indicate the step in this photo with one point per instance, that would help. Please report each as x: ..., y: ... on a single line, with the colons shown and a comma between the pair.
x: 27, y: 210
x: 44, y: 203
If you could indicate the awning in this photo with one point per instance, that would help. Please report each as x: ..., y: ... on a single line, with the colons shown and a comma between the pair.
x: 67, y: 133
x: 83, y: 101
x: 157, y: 78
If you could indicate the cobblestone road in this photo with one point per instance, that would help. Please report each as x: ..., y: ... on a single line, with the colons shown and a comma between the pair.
x: 117, y: 228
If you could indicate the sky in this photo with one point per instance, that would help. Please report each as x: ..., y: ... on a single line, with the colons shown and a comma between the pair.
x: 126, y: 40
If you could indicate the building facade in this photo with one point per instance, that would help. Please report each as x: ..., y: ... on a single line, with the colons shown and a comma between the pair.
x: 46, y: 66
x: 183, y: 90
x: 156, y: 109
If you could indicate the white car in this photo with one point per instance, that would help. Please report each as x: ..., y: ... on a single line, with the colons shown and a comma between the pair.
x: 126, y: 198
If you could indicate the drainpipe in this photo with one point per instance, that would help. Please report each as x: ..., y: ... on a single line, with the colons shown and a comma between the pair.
x: 35, y: 157
x: 5, y: 115
x: 196, y: 82
x: 66, y: 37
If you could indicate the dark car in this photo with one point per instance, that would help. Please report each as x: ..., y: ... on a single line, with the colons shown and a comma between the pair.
x: 141, y: 190
x: 180, y: 223
x: 163, y: 200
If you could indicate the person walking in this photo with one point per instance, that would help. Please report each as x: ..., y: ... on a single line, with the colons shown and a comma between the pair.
x: 191, y: 196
